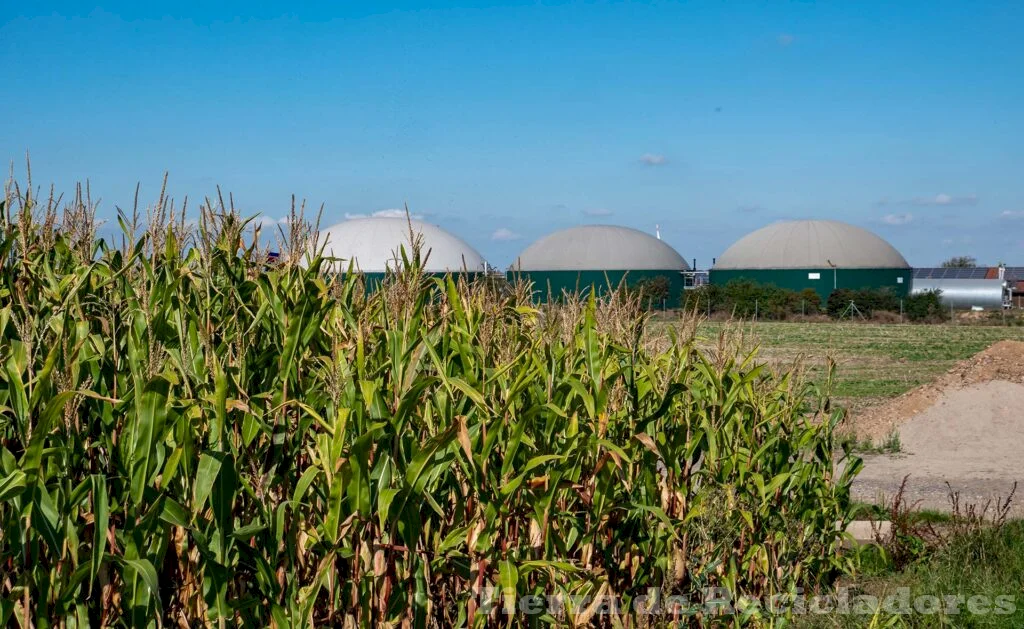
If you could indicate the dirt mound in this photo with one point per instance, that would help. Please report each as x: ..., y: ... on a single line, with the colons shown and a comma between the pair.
x: 1002, y: 361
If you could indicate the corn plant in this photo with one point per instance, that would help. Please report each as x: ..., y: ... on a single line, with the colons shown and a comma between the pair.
x: 192, y: 435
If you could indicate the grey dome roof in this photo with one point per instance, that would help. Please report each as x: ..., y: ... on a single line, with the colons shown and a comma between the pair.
x: 599, y: 247
x: 811, y: 244
x: 373, y: 244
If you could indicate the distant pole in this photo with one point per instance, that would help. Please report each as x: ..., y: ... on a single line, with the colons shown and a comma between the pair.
x: 901, y: 311
x: 755, y: 310
x: 803, y: 307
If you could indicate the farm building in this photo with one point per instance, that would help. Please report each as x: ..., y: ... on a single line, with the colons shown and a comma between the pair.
x: 599, y: 256
x: 822, y: 255
x: 1015, y: 275
x: 373, y: 246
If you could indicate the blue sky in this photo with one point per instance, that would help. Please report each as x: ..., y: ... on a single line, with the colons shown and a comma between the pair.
x: 503, y: 121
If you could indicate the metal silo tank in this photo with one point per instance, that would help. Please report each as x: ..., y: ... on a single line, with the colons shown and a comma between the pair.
x: 965, y: 293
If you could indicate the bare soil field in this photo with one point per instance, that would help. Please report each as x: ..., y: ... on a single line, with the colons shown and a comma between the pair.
x: 965, y: 429
x: 1003, y: 362
x: 971, y: 438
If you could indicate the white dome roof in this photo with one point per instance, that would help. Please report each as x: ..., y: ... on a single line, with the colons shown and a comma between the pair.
x: 810, y: 245
x: 599, y: 247
x: 373, y: 245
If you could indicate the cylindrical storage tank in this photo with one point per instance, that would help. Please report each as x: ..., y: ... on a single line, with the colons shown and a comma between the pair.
x: 965, y: 294
x: 821, y: 255
x: 599, y: 257
x: 373, y: 246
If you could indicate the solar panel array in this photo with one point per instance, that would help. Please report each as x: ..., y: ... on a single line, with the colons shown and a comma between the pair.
x: 942, y: 273
x: 1015, y: 273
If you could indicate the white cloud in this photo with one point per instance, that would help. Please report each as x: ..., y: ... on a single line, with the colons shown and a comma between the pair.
x: 1015, y: 214
x: 653, y: 159
x: 389, y: 213
x: 897, y: 219
x: 960, y: 241
x: 268, y: 221
x: 504, y: 234
x: 598, y: 211
x: 944, y: 199
x: 785, y: 39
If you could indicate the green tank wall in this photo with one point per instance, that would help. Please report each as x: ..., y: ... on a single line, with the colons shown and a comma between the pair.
x: 829, y: 279
x: 373, y: 280
x: 554, y: 283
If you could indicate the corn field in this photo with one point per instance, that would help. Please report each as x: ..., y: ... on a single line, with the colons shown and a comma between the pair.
x: 192, y: 435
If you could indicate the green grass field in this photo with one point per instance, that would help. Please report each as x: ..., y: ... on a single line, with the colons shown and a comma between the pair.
x: 986, y: 563
x: 874, y: 361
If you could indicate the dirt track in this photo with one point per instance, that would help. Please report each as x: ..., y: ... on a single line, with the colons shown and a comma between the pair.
x: 972, y: 437
x: 966, y: 428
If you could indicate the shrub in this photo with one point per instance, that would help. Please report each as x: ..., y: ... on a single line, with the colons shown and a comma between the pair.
x: 810, y: 301
x: 875, y: 300
x: 187, y: 434
x: 745, y: 298
x: 924, y: 307
x: 838, y: 301
x: 652, y: 292
x: 706, y: 299
x: 867, y: 301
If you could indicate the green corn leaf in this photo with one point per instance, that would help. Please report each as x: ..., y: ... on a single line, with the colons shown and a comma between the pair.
x: 206, y: 475
x: 359, y: 482
x: 145, y: 570
x: 12, y: 485
x: 101, y: 524
x: 151, y: 409
x: 303, y: 485
x: 508, y: 577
